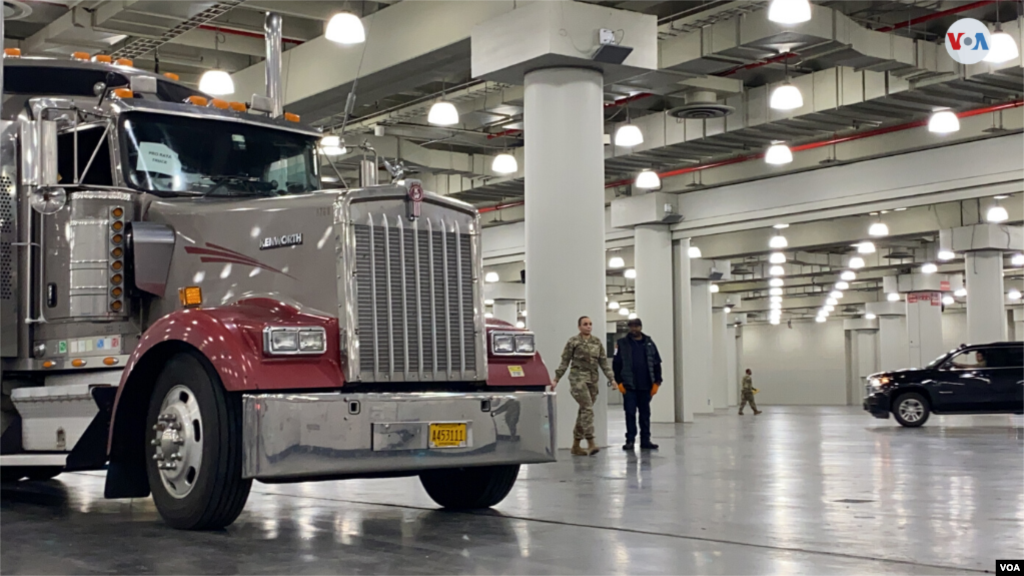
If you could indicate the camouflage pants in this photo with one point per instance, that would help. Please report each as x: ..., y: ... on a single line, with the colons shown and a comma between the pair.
x: 584, y: 391
x: 748, y: 396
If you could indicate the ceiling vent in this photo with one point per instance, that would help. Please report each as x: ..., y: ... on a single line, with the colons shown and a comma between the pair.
x: 701, y: 105
x: 898, y: 255
x: 16, y: 10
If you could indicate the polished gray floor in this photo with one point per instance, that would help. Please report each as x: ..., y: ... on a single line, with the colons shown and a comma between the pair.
x: 797, y: 490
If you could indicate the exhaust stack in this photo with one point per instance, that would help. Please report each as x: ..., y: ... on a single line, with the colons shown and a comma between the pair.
x: 272, y: 29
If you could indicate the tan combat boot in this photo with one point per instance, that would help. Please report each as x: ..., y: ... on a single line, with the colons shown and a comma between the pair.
x: 591, y: 447
x: 576, y: 450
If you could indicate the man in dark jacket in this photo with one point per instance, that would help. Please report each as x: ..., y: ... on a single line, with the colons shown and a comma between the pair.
x: 637, y: 368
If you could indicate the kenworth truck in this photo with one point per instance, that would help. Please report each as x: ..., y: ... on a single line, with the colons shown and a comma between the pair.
x: 183, y: 306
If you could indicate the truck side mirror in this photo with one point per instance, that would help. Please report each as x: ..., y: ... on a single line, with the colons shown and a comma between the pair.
x: 39, y: 153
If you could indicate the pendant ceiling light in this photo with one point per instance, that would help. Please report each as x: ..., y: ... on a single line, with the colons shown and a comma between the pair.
x: 943, y: 122
x: 1013, y: 294
x: 491, y: 277
x: 776, y: 282
x: 850, y: 275
x: 613, y: 305
x: 630, y: 273
x: 865, y: 248
x: 855, y: 262
x: 820, y: 319
x: 520, y: 324
x: 778, y: 154
x: 623, y: 311
x: 893, y: 297
x: 835, y: 294
x: 831, y: 302
x: 777, y: 271
x: 870, y: 316
x: 714, y: 288
x: 628, y: 136
x: 946, y: 255
x: 345, y: 28
x: 878, y: 229
x: 960, y: 292
x: 777, y: 258
x: 778, y: 241
x: 775, y: 305
x: 616, y: 262
x: 929, y: 268
x: 948, y: 300
x: 786, y: 97
x: 775, y: 299
x: 828, y: 308
x: 443, y: 114
x: 789, y: 11
x: 997, y: 214
x: 775, y: 291
x: 505, y: 163
x: 1003, y: 48
x: 693, y: 252
x: 648, y: 180
x: 216, y: 82
x: 331, y: 145
x: 1017, y: 260
x: 842, y: 285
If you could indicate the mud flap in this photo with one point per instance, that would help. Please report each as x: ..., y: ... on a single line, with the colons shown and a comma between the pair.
x: 90, y: 452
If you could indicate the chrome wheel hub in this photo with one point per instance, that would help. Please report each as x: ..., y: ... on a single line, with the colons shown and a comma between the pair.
x: 911, y: 410
x: 178, y: 441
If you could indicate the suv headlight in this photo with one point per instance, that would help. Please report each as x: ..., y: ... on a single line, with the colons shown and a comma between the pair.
x: 879, y: 382
x: 524, y: 344
x: 291, y: 340
x: 503, y: 343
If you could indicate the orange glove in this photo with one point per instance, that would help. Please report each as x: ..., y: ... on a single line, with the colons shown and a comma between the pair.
x: 654, y: 390
x: 621, y: 388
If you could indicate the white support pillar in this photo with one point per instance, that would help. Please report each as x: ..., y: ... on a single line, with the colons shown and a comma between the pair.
x: 924, y: 327
x: 653, y: 261
x: 686, y: 362
x: 719, y: 359
x: 701, y: 328
x: 1018, y: 324
x: 505, y: 310
x: 565, y: 269
x: 893, y: 349
x: 732, y: 339
x: 986, y: 313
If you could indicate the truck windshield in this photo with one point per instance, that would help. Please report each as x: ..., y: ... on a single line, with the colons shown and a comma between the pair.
x: 176, y: 155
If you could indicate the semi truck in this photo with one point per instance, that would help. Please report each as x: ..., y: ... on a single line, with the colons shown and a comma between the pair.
x: 186, y: 304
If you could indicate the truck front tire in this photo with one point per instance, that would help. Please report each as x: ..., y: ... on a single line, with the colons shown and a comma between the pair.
x: 194, y: 446
x: 469, y: 488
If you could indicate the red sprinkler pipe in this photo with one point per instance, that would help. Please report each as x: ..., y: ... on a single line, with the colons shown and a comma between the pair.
x: 503, y: 133
x: 934, y: 15
x: 627, y: 100
x: 824, y: 143
x: 245, y: 33
x: 765, y: 62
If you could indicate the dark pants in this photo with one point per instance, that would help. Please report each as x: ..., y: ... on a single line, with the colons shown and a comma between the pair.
x: 633, y: 401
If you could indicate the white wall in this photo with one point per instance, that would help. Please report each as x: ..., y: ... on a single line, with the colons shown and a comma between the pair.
x: 954, y: 330
x: 805, y: 364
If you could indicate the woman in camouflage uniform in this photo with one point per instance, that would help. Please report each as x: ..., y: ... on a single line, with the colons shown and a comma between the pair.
x: 587, y: 355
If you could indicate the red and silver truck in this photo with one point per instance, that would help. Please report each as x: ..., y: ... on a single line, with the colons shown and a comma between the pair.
x: 183, y: 306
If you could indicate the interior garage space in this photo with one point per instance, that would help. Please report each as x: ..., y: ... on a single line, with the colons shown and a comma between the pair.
x: 512, y: 287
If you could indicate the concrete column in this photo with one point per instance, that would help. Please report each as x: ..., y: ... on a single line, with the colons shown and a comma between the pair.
x: 892, y: 343
x: 1018, y: 324
x: 564, y: 169
x: 986, y: 316
x: 653, y: 262
x: 732, y: 365
x: 686, y: 362
x: 924, y: 327
x: 505, y: 310
x: 720, y: 360
x: 701, y: 329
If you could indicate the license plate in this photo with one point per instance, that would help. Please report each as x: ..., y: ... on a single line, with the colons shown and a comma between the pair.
x: 448, y: 435
x: 516, y: 371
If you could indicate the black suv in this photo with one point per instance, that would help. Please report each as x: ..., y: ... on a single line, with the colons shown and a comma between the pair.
x: 977, y: 379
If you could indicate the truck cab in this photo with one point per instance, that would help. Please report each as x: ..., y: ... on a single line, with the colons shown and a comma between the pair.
x: 184, y: 305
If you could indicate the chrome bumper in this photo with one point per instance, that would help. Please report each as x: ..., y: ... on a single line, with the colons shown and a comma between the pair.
x: 296, y: 436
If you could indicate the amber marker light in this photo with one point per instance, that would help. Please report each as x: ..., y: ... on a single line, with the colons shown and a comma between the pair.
x: 190, y: 296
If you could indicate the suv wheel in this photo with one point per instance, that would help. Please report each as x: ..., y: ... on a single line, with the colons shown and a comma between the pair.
x: 911, y: 410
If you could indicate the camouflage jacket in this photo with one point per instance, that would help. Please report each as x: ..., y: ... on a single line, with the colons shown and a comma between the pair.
x: 587, y: 357
x: 748, y: 383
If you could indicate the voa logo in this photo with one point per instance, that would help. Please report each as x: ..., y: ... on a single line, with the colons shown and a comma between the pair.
x: 967, y: 41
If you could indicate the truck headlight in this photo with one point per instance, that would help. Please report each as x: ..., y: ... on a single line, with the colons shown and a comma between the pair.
x: 880, y: 381
x: 524, y: 344
x: 503, y: 343
x: 291, y: 340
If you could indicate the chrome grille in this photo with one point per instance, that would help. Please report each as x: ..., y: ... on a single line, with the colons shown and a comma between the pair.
x: 414, y: 300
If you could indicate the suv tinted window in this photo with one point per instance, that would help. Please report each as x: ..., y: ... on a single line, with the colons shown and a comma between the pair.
x: 969, y: 359
x: 1006, y: 357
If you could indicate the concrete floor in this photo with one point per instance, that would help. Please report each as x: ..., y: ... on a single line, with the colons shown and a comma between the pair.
x: 797, y: 490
